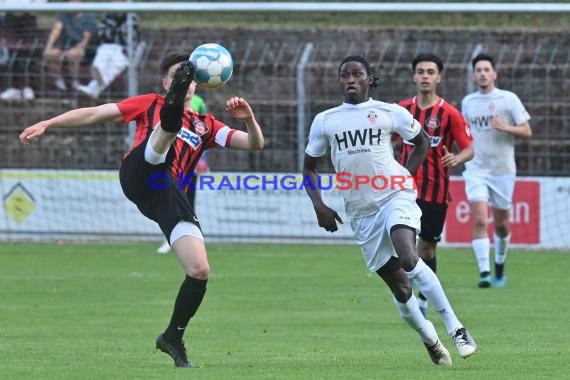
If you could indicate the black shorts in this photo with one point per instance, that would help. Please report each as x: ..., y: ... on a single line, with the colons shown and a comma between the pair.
x: 166, y: 205
x: 433, y: 218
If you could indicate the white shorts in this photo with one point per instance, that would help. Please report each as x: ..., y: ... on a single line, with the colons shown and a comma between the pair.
x: 372, y: 232
x: 110, y: 61
x: 489, y: 188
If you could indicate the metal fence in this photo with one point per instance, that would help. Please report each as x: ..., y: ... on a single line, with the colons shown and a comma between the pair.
x: 268, y: 66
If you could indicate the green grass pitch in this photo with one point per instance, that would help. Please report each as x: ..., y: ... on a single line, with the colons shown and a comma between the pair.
x: 272, y: 311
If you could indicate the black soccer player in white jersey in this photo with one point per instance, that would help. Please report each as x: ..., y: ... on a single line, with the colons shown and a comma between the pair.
x: 385, y: 222
x: 495, y: 118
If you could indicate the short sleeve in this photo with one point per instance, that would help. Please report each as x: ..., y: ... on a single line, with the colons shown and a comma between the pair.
x: 464, y: 109
x: 404, y: 123
x: 318, y: 144
x: 460, y: 129
x: 223, y: 135
x: 518, y: 112
x: 135, y: 107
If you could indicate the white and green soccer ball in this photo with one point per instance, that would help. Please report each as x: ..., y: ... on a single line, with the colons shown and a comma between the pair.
x: 214, y: 65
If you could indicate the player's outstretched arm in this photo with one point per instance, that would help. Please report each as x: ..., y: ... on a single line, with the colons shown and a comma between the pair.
x: 326, y: 216
x: 75, y: 118
x: 251, y: 140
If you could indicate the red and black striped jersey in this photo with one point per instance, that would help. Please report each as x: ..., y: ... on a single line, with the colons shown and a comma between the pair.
x: 198, y: 132
x: 444, y: 124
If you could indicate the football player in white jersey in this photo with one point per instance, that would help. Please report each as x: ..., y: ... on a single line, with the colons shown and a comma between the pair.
x: 383, y: 212
x: 495, y: 118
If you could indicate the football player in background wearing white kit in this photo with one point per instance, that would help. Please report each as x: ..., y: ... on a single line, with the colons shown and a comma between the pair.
x: 495, y: 118
x: 384, y: 221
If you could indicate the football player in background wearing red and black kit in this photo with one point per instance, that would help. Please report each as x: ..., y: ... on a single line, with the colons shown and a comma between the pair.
x: 170, y: 139
x: 444, y: 125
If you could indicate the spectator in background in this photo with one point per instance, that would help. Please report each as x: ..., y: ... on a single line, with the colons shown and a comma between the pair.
x: 495, y: 118
x: 197, y: 104
x: 69, y: 39
x: 17, y: 32
x: 111, y: 56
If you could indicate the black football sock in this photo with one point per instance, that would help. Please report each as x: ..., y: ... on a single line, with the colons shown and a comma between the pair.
x: 171, y: 117
x: 432, y: 263
x: 499, y: 270
x: 187, y: 302
x: 173, y: 108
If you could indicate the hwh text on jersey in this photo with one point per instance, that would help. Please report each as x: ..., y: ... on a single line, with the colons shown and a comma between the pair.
x: 190, y: 137
x: 358, y: 137
x: 482, y: 122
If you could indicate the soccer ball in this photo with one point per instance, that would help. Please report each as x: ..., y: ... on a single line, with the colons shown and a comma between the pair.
x: 214, y: 65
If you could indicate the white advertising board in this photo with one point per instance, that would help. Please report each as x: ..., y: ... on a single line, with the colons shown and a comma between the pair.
x: 47, y: 205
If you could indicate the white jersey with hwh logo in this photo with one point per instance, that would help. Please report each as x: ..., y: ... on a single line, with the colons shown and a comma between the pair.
x: 360, y: 139
x: 494, y: 150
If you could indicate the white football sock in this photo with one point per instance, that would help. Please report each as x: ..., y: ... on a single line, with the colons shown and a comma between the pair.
x: 501, y: 247
x: 410, y: 312
x: 481, y: 248
x: 428, y: 283
x: 422, y: 303
x: 151, y: 156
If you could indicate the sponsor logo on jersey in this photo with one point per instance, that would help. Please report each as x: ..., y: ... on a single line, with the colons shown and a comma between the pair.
x: 434, y: 141
x: 482, y: 122
x: 372, y: 117
x: 432, y: 123
x: 189, y: 137
x: 492, y: 107
x: 200, y: 127
x: 358, y: 137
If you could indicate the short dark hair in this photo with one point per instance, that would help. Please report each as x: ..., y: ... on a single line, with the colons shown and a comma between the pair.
x: 172, y: 58
x: 356, y: 58
x: 427, y: 57
x: 483, y: 57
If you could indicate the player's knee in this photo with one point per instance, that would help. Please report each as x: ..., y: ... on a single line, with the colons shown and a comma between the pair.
x: 409, y: 261
x: 502, y: 229
x: 427, y: 252
x: 402, y: 292
x: 392, y: 266
x: 200, y: 271
x: 480, y: 222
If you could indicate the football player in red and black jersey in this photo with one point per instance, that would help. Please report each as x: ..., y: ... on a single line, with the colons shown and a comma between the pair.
x: 444, y: 125
x: 170, y: 139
